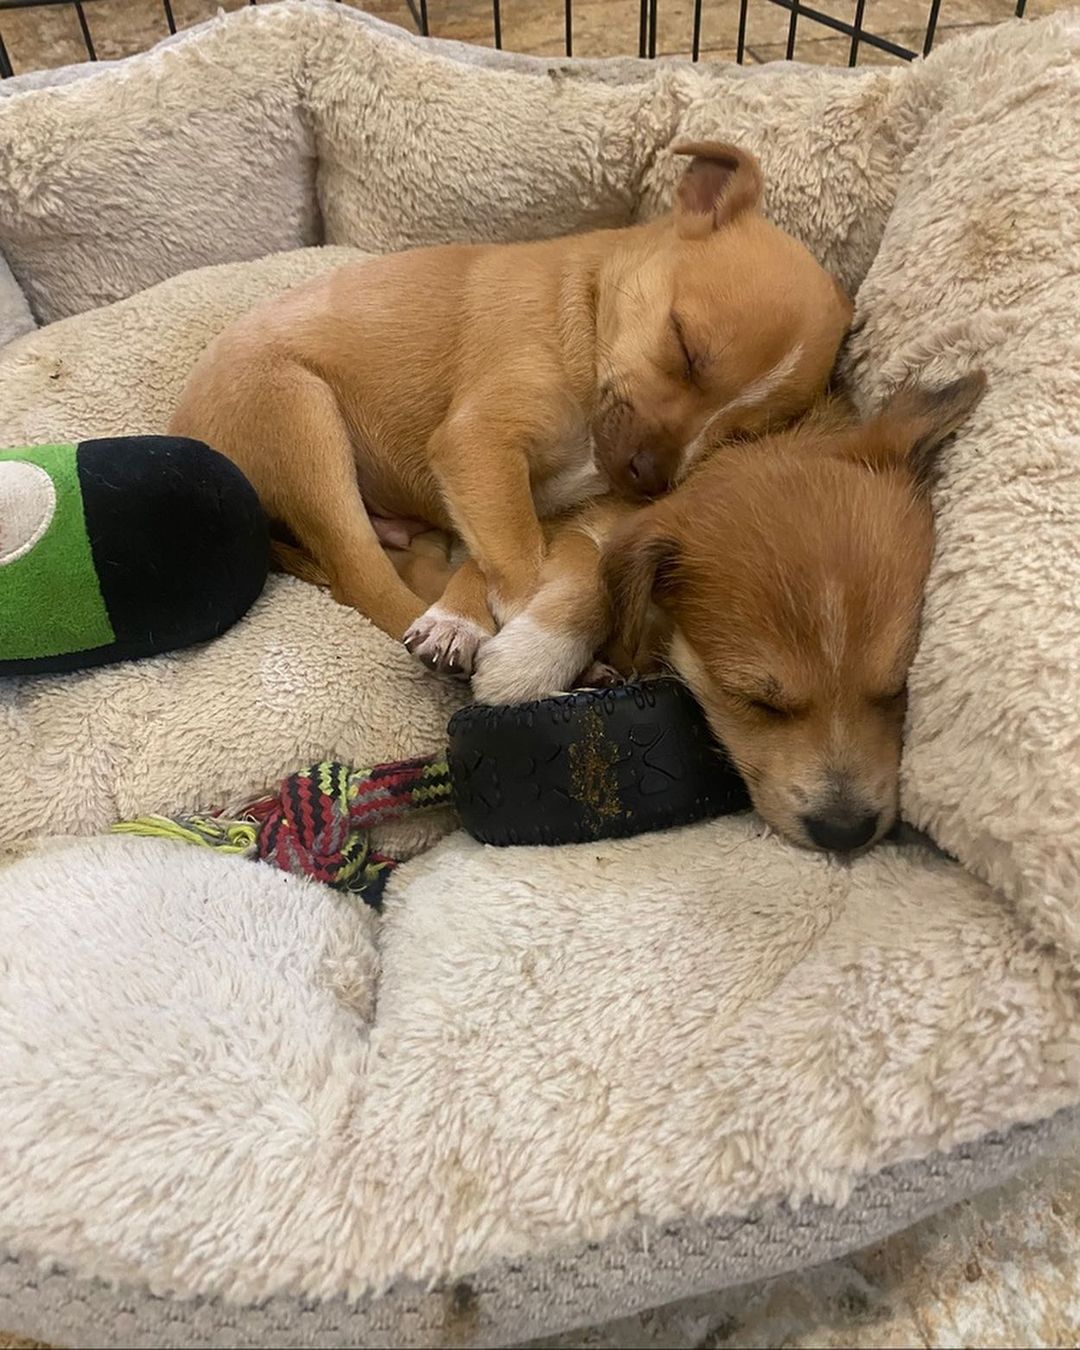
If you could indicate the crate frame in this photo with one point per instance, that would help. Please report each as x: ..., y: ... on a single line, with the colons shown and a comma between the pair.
x: 648, y: 23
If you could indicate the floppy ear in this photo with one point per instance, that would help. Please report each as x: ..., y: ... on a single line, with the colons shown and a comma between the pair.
x: 915, y: 423
x: 843, y: 300
x: 637, y: 559
x: 720, y: 183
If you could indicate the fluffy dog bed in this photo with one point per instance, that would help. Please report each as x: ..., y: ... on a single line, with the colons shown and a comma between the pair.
x: 548, y: 1085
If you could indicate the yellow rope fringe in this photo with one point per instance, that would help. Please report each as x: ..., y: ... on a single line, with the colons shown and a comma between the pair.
x: 227, y: 836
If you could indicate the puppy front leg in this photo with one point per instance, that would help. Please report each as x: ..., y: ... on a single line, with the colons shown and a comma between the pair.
x: 483, y: 474
x: 450, y: 633
x: 484, y: 480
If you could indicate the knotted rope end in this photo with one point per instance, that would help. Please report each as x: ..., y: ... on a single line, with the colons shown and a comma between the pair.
x: 318, y: 822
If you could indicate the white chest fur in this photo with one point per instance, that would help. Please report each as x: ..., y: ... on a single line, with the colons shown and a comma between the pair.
x: 568, y: 487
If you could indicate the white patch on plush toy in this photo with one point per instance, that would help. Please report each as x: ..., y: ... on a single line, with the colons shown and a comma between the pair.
x: 27, y: 506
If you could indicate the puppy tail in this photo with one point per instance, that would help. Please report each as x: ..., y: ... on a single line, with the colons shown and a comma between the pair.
x: 294, y: 561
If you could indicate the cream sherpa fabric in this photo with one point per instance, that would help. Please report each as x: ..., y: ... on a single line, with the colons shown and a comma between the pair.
x: 205, y: 156
x: 414, y: 143
x: 299, y: 679
x: 211, y: 146
x: 497, y: 154
x: 15, y: 316
x: 120, y: 369
x: 564, y: 1043
x: 980, y: 263
x: 415, y: 148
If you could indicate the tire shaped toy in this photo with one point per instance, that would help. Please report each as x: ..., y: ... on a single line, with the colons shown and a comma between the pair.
x: 594, y: 764
x: 571, y: 769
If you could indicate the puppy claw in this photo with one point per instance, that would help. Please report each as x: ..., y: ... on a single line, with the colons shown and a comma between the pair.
x: 445, y: 642
x: 599, y: 676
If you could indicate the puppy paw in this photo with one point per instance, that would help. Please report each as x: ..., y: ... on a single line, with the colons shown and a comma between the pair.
x: 527, y: 660
x: 447, y: 643
x: 599, y: 675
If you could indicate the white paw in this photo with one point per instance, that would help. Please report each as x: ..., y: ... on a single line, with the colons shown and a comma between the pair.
x: 528, y: 660
x: 446, y: 642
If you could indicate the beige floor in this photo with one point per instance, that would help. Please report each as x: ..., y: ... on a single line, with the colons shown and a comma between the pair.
x: 999, y: 1270
x: 50, y: 37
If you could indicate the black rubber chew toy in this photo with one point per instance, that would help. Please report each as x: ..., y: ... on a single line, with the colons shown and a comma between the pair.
x: 597, y: 764
x: 574, y: 768
x: 123, y: 547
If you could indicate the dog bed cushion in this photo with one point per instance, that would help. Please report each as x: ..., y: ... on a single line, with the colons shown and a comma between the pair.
x: 698, y: 1042
x: 301, y: 122
x: 979, y: 264
x: 562, y: 1045
x: 301, y: 679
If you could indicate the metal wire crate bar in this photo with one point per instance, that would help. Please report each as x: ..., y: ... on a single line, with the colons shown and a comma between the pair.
x: 803, y: 18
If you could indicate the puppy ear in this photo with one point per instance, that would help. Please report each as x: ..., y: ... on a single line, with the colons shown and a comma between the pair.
x: 720, y: 183
x: 915, y: 423
x: 637, y: 561
x: 843, y: 300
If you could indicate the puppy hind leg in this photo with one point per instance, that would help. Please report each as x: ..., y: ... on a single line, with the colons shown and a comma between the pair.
x: 304, y: 471
x: 424, y: 566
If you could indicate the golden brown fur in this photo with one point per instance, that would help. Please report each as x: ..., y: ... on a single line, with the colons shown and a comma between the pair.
x: 783, y: 581
x: 477, y: 388
x: 793, y: 575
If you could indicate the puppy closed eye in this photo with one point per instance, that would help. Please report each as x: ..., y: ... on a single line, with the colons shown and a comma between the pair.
x: 688, y: 360
x: 772, y: 711
x: 891, y: 700
x: 767, y: 707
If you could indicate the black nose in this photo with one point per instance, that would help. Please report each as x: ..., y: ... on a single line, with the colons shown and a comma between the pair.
x: 841, y: 831
x: 645, y: 474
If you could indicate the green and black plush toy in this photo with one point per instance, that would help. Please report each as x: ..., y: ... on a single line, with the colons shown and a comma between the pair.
x: 120, y: 548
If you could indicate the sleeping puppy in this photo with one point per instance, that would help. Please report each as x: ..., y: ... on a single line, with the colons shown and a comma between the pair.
x: 481, y: 388
x: 783, y: 582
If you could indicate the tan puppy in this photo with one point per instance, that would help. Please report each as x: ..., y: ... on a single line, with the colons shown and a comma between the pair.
x: 783, y: 581
x: 477, y: 388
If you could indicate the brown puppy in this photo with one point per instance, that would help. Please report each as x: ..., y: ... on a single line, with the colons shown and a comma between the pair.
x: 477, y: 388
x: 783, y: 581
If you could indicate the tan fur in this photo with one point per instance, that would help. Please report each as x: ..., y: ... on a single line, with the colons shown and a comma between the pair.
x: 465, y: 385
x: 424, y: 565
x: 783, y: 581
x: 793, y: 573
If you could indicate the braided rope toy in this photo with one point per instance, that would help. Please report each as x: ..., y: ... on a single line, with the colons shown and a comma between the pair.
x: 573, y: 768
x: 317, y: 824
